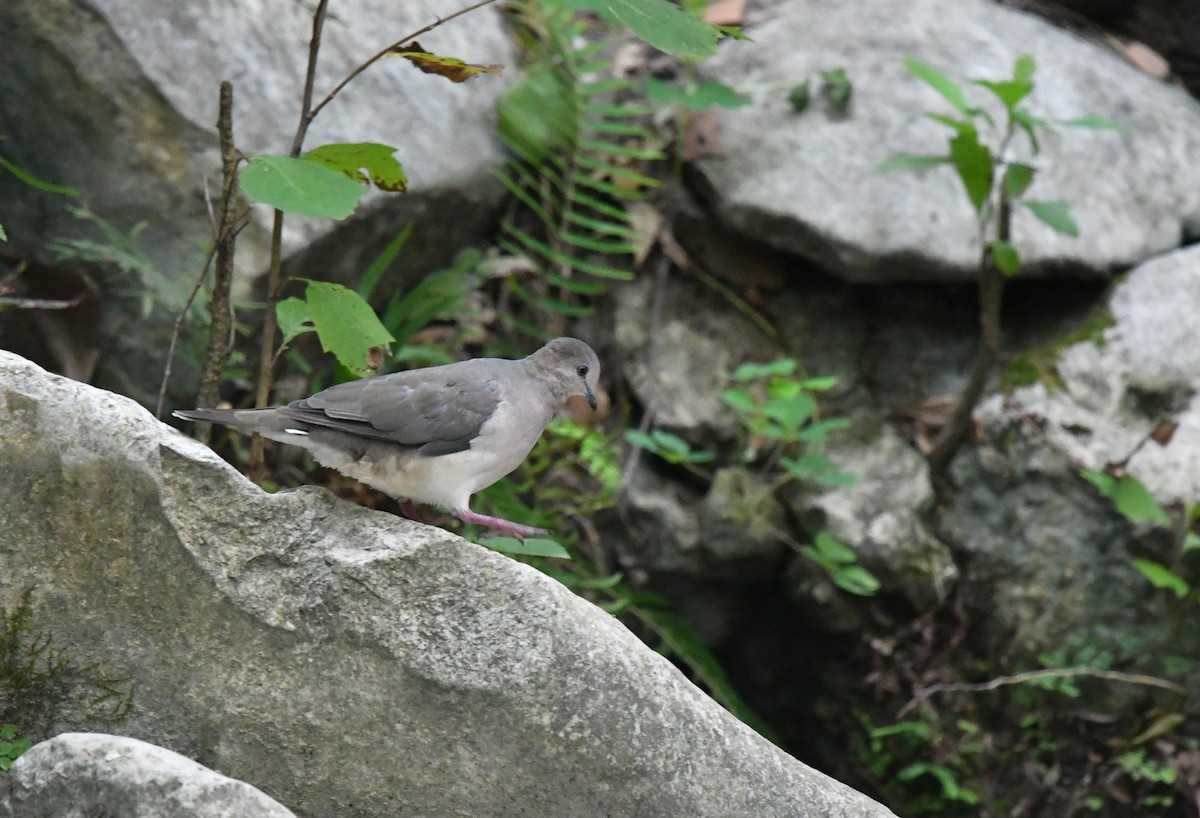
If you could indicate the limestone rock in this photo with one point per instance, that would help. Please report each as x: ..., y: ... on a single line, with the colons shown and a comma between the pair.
x: 343, y: 660
x: 78, y: 775
x: 809, y: 184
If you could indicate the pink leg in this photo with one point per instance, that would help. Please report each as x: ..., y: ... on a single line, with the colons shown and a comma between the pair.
x: 507, y: 526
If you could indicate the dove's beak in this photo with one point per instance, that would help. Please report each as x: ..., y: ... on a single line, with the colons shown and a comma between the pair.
x: 591, y: 399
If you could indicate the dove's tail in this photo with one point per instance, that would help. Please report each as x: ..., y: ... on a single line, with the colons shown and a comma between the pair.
x: 266, y: 422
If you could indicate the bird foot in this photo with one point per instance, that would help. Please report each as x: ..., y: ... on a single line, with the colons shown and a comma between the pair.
x: 498, y: 524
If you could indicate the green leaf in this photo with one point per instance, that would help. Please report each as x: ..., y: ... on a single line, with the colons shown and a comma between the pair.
x: 939, y: 82
x: 739, y: 399
x: 292, y: 315
x: 781, y: 368
x: 35, y: 182
x: 1095, y: 121
x: 833, y: 550
x: 361, y: 161
x: 1009, y: 92
x: 537, y: 115
x: 1017, y: 178
x: 1006, y: 257
x: 3, y: 234
x: 819, y: 384
x: 1191, y: 541
x: 974, y: 164
x: 817, y: 432
x: 346, y: 325
x: 857, y: 580
x: 1055, y: 214
x: 1132, y: 499
x: 1023, y: 68
x: 958, y: 125
x: 300, y: 186
x: 817, y: 468
x: 912, y: 161
x: 1029, y: 123
x: 700, y: 97
x: 660, y: 23
x: 534, y: 547
x: 1160, y: 576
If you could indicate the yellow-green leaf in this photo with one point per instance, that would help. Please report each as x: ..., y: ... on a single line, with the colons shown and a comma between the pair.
x: 362, y: 161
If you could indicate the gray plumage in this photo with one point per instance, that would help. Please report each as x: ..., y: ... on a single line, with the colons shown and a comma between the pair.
x: 435, y: 435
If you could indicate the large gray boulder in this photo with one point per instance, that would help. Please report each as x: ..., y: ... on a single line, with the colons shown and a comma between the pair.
x: 82, y: 775
x: 810, y: 184
x: 343, y: 660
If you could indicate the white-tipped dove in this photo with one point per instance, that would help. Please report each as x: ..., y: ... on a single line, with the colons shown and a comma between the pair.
x: 435, y: 435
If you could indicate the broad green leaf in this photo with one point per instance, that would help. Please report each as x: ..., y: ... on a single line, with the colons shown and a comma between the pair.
x: 974, y: 164
x: 1023, y: 68
x: 700, y: 97
x: 855, y: 579
x: 1095, y: 121
x: 939, y: 82
x: 36, y: 182
x: 533, y: 546
x: 362, y: 161
x: 833, y: 550
x: 1132, y: 499
x: 739, y: 399
x: 347, y: 326
x: 1017, y: 178
x: 819, y: 384
x: 661, y: 24
x: 817, y: 468
x: 300, y: 186
x: 912, y: 161
x: 1006, y: 257
x: 293, y: 317
x: 1055, y: 214
x: 1009, y: 92
x: 779, y: 368
x: 817, y: 432
x: 1160, y: 576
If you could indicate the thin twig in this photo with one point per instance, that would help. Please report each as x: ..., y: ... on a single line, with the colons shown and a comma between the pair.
x: 311, y: 115
x: 1050, y: 673
x: 220, y: 305
x: 175, y: 332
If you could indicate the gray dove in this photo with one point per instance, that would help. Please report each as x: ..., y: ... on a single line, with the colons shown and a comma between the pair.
x: 435, y: 435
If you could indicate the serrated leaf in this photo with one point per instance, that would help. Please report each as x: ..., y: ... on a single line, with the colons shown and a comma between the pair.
x: 939, y: 82
x: 300, y: 186
x: 1017, y: 178
x: 912, y: 161
x: 1160, y: 576
x: 347, y: 326
x: 362, y: 161
x: 292, y: 315
x: 699, y: 97
x: 532, y: 546
x: 1006, y: 257
x: 451, y: 68
x: 974, y: 164
x: 1054, y: 214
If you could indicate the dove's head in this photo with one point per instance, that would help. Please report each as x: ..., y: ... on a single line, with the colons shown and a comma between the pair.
x: 572, y: 367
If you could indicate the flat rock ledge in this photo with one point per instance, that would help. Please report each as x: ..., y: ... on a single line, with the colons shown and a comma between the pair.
x: 344, y: 661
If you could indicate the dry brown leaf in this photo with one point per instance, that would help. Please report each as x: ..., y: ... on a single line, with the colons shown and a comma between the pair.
x: 701, y: 137
x: 725, y: 12
x: 451, y: 68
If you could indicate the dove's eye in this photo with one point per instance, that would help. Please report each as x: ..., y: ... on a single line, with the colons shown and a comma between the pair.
x: 581, y: 370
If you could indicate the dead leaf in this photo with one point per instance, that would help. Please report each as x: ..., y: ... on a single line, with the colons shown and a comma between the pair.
x: 1164, y: 431
x: 1143, y: 57
x: 451, y: 68
x: 646, y: 220
x: 725, y: 12
x: 701, y: 137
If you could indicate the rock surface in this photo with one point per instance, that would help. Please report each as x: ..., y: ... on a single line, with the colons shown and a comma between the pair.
x: 809, y: 184
x: 345, y: 661
x: 81, y: 775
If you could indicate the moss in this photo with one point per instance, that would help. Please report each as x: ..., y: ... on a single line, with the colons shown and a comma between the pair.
x: 1040, y: 364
